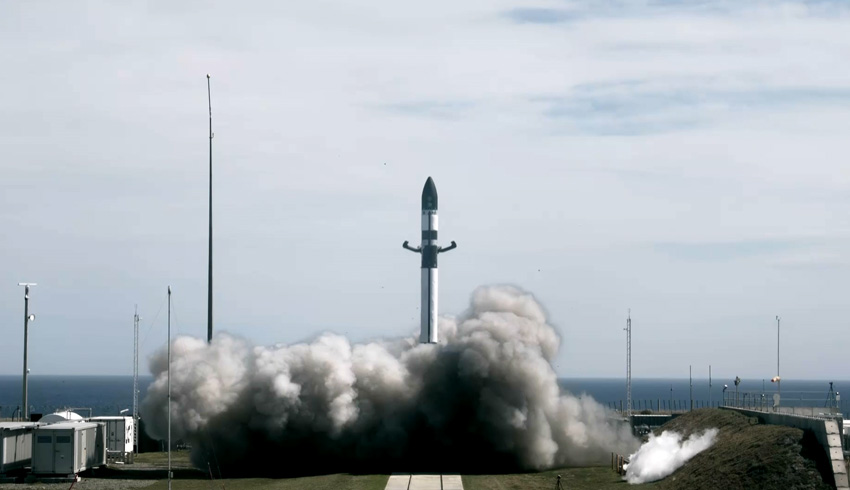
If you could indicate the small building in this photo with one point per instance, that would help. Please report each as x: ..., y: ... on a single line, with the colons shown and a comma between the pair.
x: 15, y: 445
x: 68, y: 448
x: 120, y: 436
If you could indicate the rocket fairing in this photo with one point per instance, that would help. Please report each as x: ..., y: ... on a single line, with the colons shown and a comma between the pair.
x: 429, y: 249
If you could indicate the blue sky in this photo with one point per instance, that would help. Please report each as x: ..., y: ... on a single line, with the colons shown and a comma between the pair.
x: 687, y: 160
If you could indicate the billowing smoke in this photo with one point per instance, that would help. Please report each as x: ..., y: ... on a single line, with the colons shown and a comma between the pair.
x: 662, y: 455
x: 485, y: 399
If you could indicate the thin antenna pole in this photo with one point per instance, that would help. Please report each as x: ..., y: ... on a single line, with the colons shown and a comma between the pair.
x: 629, y: 364
x: 135, y: 381
x: 169, y: 387
x: 210, y: 265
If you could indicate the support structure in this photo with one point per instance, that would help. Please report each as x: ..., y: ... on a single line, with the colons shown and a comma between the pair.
x: 628, y: 330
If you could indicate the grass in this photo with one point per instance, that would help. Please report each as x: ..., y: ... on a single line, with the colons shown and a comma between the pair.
x: 178, y: 459
x: 590, y: 478
x: 746, y: 455
x: 339, y: 481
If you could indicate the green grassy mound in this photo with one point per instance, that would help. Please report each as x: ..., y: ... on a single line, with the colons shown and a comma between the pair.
x: 748, y: 455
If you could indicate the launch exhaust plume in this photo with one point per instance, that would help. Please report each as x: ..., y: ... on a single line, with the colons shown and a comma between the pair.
x: 664, y: 454
x: 485, y: 398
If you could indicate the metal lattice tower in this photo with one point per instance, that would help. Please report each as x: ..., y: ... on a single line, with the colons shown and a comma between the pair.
x: 136, y: 319
x: 628, y: 330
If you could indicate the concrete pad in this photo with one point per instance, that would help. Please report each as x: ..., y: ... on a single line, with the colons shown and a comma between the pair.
x: 839, y: 468
x: 831, y: 427
x: 398, y: 482
x: 841, y: 481
x: 833, y: 440
x: 452, y: 482
x: 426, y: 482
x: 836, y: 454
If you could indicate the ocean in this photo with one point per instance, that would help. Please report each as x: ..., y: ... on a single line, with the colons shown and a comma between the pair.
x: 108, y: 395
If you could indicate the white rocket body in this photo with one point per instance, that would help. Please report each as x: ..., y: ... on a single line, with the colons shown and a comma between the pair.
x: 429, y: 249
x: 430, y: 281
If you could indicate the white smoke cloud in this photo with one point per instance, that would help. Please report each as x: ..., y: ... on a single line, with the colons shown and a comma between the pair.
x: 486, y: 397
x: 664, y: 454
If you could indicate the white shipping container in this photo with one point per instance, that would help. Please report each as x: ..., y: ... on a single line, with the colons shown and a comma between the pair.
x: 15, y: 445
x: 120, y: 432
x: 67, y: 448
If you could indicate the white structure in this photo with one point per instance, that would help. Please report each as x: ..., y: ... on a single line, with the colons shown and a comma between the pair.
x: 68, y: 448
x: 429, y: 249
x: 15, y: 445
x: 66, y: 416
x: 120, y: 435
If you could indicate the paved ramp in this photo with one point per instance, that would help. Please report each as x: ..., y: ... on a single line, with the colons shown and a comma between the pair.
x: 452, y: 482
x: 424, y: 482
x: 398, y: 482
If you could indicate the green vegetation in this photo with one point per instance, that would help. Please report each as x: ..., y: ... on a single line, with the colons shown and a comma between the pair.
x: 592, y: 478
x: 179, y: 459
x: 340, y: 481
x: 747, y: 455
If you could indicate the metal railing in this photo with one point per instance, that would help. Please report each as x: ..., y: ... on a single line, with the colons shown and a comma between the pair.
x: 809, y: 403
x: 803, y: 403
x: 661, y: 406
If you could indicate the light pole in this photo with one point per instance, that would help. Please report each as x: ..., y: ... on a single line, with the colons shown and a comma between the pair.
x: 737, y: 382
x: 27, y: 319
x: 725, y: 387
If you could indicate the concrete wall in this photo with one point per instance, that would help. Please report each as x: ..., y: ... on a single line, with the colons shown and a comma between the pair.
x: 826, y: 431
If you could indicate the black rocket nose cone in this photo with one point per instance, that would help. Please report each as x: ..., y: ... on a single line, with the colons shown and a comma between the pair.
x: 429, y: 195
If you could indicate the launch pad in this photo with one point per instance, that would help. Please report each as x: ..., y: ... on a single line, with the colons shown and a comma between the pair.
x: 404, y: 481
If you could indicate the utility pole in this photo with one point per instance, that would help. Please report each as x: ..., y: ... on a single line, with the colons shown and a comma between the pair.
x: 136, y: 319
x: 210, y: 264
x: 628, y: 330
x: 27, y: 319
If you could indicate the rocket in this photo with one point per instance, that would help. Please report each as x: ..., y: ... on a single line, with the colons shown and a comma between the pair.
x: 429, y: 251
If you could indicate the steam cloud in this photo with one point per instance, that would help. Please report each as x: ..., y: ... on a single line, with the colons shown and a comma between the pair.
x: 663, y: 455
x: 485, y: 399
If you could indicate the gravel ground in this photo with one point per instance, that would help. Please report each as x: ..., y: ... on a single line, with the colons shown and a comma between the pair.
x: 115, y: 477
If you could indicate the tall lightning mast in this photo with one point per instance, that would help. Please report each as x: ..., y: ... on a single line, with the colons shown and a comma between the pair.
x: 136, y: 319
x: 169, y: 388
x: 210, y: 265
x: 628, y: 330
